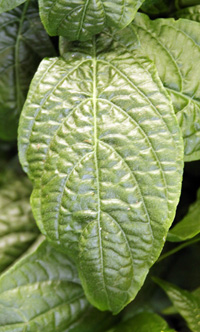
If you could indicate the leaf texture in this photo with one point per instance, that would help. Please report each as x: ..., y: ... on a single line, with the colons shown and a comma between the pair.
x: 189, y: 226
x: 143, y: 322
x: 190, y: 13
x: 156, y: 7
x: 186, y: 303
x: 23, y: 43
x: 81, y: 19
x: 17, y: 226
x: 99, y: 139
x: 6, y: 5
x: 174, y: 46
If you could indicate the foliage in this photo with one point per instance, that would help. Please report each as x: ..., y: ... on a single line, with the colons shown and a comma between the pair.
x: 108, y: 119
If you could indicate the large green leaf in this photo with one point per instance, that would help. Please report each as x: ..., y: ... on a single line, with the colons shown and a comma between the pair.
x: 174, y: 46
x: 23, y: 43
x: 189, y: 226
x: 17, y: 227
x: 143, y: 322
x: 81, y: 19
x: 186, y: 303
x: 6, y: 5
x: 100, y: 140
x: 190, y: 13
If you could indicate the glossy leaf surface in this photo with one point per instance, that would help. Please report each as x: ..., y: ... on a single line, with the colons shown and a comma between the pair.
x: 189, y: 226
x: 17, y: 226
x: 6, y: 5
x: 174, y: 46
x: 81, y: 19
x: 143, y: 322
x: 101, y: 143
x: 186, y: 303
x: 23, y: 43
x: 190, y: 13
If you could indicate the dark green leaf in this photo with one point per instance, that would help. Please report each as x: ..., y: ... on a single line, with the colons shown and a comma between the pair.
x: 174, y: 46
x: 190, y: 13
x: 81, y: 19
x: 6, y: 5
x: 186, y: 303
x: 23, y: 43
x: 100, y: 140
x: 156, y: 7
x: 189, y: 226
x: 17, y: 227
x: 143, y: 322
x: 186, y: 3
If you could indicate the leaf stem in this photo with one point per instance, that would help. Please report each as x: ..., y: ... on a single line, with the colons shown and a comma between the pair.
x: 180, y: 247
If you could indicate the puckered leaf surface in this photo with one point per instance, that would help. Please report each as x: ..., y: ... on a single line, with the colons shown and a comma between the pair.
x: 81, y: 19
x: 42, y: 292
x: 186, y: 303
x: 6, y: 5
x: 17, y: 227
x: 99, y: 138
x: 174, y: 46
x: 23, y: 43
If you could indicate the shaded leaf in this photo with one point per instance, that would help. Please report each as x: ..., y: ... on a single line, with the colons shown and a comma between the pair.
x: 186, y: 303
x: 189, y: 226
x: 186, y: 3
x: 100, y: 140
x: 143, y: 322
x: 81, y: 19
x: 190, y: 13
x: 23, y: 43
x: 174, y: 46
x: 6, y: 5
x: 17, y: 226
x: 156, y: 7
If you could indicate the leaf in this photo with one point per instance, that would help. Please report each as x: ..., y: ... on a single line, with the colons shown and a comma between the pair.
x: 17, y: 227
x: 156, y: 7
x: 100, y: 140
x: 42, y: 292
x: 190, y: 13
x: 143, y: 322
x: 189, y: 226
x: 186, y: 3
x: 81, y: 19
x: 174, y: 46
x: 23, y: 43
x: 6, y: 5
x: 186, y: 303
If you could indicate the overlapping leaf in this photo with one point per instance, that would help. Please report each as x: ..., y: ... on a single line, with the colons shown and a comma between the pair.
x: 6, y: 5
x: 143, y: 322
x: 99, y: 138
x: 190, y: 13
x: 156, y: 7
x: 23, y: 43
x: 186, y: 303
x: 174, y: 46
x: 81, y: 19
x: 189, y: 226
x: 17, y: 227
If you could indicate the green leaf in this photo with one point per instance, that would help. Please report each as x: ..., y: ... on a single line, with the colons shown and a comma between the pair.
x: 174, y: 46
x: 189, y: 226
x: 23, y: 43
x: 156, y: 7
x: 143, y: 322
x: 17, y: 227
x: 42, y: 292
x: 186, y: 303
x: 190, y: 13
x: 100, y: 140
x: 81, y: 19
x: 186, y: 3
x: 6, y: 5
